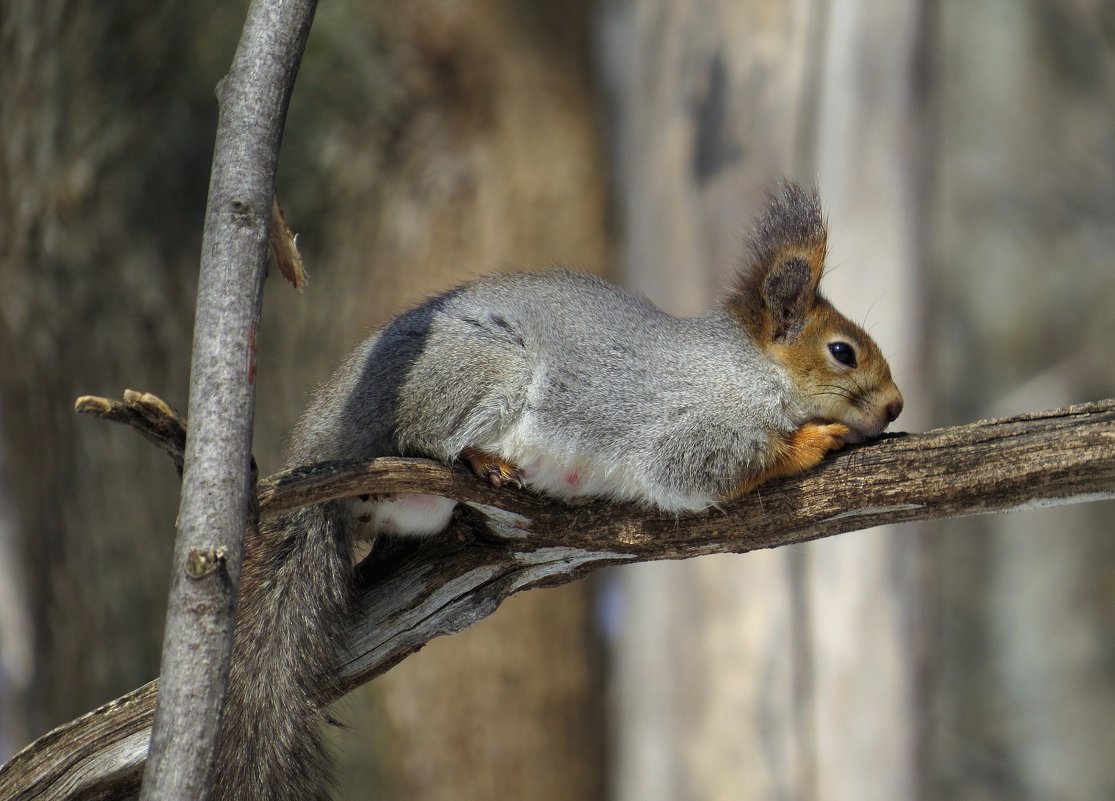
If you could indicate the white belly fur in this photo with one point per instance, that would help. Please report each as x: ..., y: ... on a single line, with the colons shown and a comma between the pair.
x: 554, y: 471
x: 562, y: 472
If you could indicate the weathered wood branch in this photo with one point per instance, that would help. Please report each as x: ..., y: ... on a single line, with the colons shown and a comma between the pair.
x: 506, y: 541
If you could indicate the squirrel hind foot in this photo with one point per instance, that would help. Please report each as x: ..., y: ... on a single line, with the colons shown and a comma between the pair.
x: 493, y: 469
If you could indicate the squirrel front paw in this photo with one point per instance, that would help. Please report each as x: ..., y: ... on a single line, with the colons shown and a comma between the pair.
x: 800, y: 451
x: 492, y: 469
x: 823, y: 437
x: 808, y: 445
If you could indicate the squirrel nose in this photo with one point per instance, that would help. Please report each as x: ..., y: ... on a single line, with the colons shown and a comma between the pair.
x: 893, y: 409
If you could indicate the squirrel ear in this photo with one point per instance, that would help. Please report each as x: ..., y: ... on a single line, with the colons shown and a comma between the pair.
x: 787, y: 290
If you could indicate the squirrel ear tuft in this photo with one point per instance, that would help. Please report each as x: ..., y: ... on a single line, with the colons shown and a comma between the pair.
x: 792, y: 227
x: 778, y: 285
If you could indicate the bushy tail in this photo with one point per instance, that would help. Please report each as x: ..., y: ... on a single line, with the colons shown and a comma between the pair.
x: 295, y: 596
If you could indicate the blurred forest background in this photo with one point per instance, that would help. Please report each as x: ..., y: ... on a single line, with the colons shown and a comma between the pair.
x: 966, y: 155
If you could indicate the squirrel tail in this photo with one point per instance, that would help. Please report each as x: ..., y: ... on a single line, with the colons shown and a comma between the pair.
x: 296, y: 592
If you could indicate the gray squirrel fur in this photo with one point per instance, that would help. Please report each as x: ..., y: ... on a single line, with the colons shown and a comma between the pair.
x: 586, y: 389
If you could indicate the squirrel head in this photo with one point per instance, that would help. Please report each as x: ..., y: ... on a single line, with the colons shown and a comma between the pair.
x: 838, y: 372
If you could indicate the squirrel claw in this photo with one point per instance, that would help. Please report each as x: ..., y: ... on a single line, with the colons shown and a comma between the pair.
x: 492, y: 469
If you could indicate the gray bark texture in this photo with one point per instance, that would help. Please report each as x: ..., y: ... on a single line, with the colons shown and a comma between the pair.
x: 505, y: 542
x: 217, y: 490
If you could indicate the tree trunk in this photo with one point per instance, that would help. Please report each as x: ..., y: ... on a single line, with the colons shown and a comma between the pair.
x: 710, y: 668
x: 99, y: 220
x: 865, y: 594
x: 1024, y: 687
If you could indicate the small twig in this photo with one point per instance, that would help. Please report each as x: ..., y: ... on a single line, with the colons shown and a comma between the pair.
x: 148, y: 414
x: 284, y: 249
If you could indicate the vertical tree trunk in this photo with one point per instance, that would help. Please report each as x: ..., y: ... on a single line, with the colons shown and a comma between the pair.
x: 1025, y: 683
x: 865, y: 592
x: 98, y: 220
x: 712, y: 664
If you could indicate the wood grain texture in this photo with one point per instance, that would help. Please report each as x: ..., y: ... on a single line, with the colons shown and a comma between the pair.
x: 505, y: 541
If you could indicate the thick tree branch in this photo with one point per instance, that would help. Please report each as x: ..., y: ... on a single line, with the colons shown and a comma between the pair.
x: 506, y: 541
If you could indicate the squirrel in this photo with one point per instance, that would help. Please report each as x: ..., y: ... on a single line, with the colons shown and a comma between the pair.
x: 560, y: 383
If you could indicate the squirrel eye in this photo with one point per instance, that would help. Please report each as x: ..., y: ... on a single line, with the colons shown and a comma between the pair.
x: 843, y: 353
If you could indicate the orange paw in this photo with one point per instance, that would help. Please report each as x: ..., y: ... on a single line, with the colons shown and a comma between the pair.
x: 808, y: 445
x: 492, y: 469
x: 824, y: 436
x: 803, y: 449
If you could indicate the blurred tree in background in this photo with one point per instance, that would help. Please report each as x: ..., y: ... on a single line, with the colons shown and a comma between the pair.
x: 1022, y: 657
x: 966, y: 153
x: 107, y: 116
